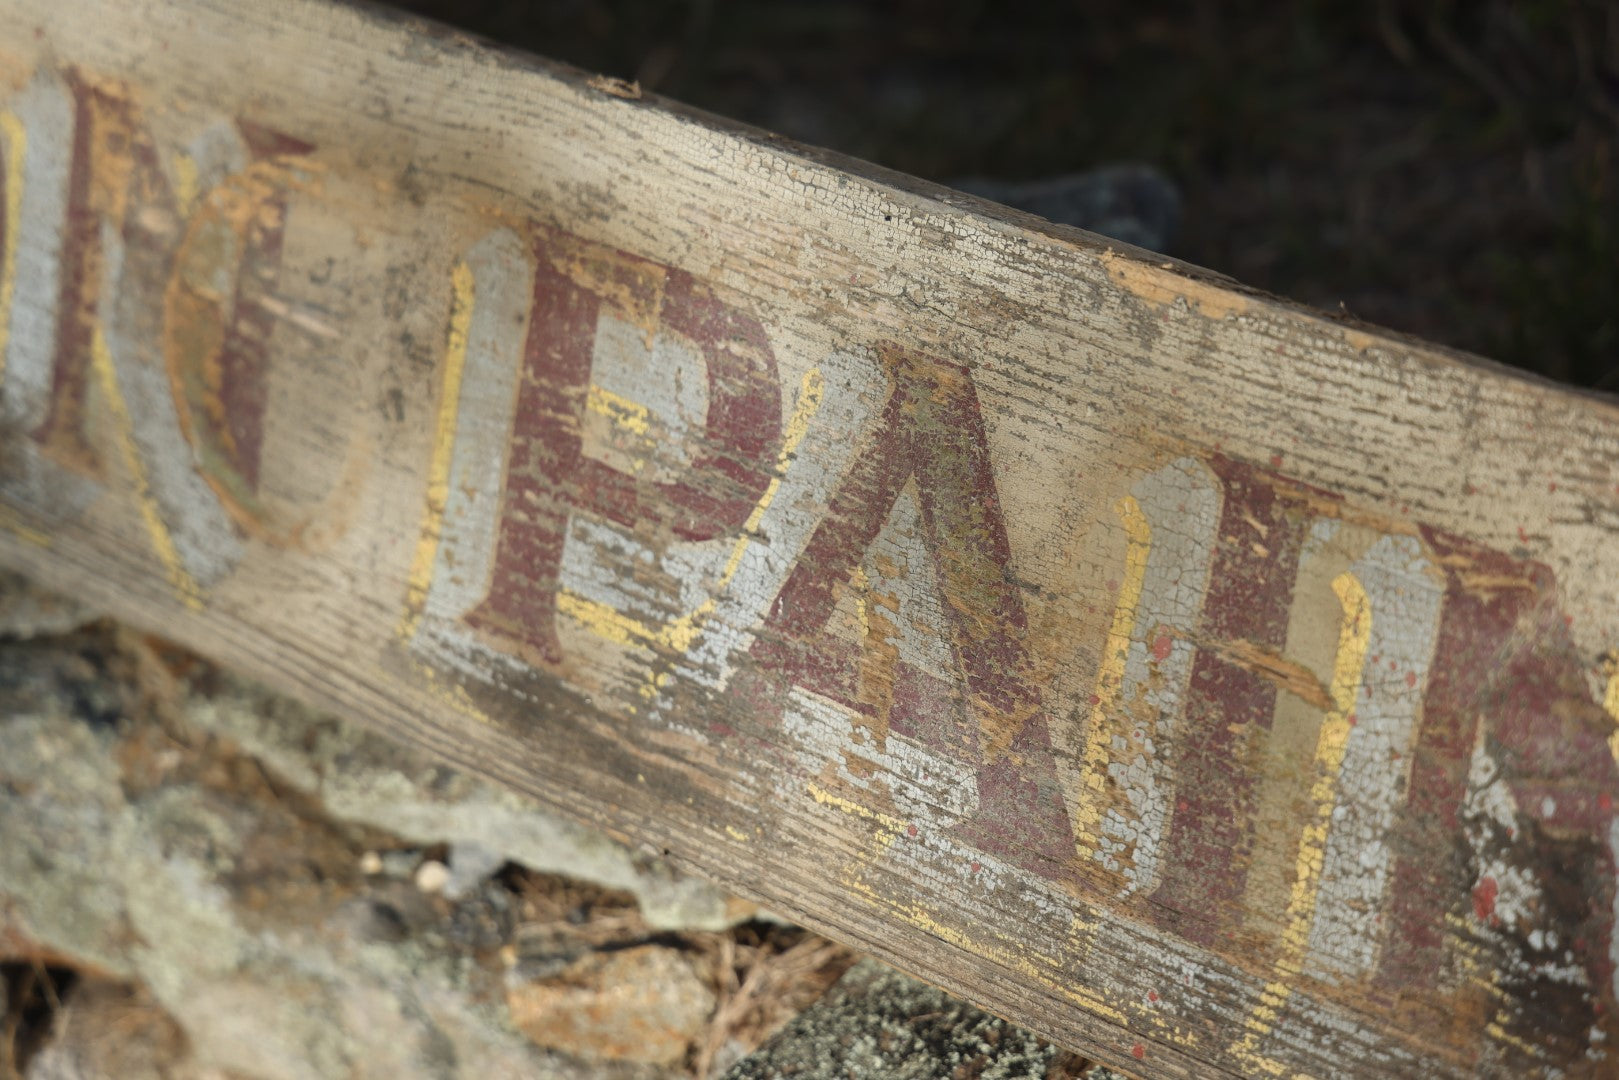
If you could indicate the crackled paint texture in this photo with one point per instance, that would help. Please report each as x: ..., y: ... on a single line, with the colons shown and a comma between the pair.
x: 1213, y: 760
x: 877, y: 623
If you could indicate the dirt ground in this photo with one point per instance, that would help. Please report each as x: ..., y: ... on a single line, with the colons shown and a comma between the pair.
x: 113, y: 787
x: 1441, y: 167
x: 202, y: 880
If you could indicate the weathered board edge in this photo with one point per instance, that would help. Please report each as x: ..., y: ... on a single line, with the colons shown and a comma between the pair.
x: 1079, y: 240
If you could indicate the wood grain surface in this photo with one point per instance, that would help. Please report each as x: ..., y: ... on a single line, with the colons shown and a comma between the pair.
x: 1210, y: 685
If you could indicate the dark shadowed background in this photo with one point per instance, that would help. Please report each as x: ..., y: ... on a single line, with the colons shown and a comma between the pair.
x: 1446, y: 169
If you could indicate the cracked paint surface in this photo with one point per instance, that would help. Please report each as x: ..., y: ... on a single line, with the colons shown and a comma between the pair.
x: 1167, y: 735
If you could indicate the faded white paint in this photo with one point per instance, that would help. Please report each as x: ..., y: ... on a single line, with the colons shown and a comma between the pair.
x: 46, y: 112
x: 669, y: 380
x: 850, y: 400
x: 503, y: 290
x: 1181, y: 504
x: 43, y: 132
x: 1490, y: 813
x: 730, y: 581
x: 936, y: 790
x: 203, y: 535
x: 793, y: 262
x: 902, y: 579
x: 1405, y: 591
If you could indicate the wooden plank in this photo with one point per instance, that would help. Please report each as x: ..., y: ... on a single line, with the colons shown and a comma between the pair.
x: 1204, y: 683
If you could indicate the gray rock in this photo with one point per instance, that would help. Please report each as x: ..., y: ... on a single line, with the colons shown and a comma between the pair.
x: 148, y: 855
x: 240, y: 886
x: 471, y: 863
x: 27, y: 611
x: 877, y: 1024
x: 364, y: 778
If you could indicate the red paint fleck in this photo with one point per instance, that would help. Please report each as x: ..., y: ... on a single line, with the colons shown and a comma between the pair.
x: 1523, y: 537
x: 1605, y: 801
x: 1276, y: 460
x: 1568, y: 620
x: 1152, y: 995
x: 1181, y: 804
x: 1552, y: 486
x: 910, y: 830
x: 1353, y: 719
x: 1161, y: 645
x: 977, y: 866
x: 1095, y: 700
x: 1484, y: 899
x: 1405, y: 508
x: 1138, y: 1051
x: 1469, y: 489
x: 1411, y: 678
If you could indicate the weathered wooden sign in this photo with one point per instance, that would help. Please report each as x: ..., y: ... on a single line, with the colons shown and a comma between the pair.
x: 1205, y: 683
